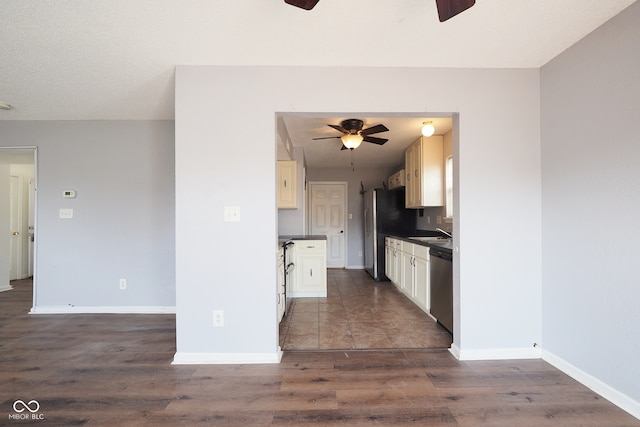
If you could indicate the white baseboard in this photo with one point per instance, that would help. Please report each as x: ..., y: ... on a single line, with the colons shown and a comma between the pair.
x: 5, y: 288
x: 619, y: 399
x: 70, y: 309
x: 496, y: 353
x: 354, y: 267
x: 181, y: 358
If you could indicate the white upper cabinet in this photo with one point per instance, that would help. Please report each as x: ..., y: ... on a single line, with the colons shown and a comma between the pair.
x: 287, y: 184
x: 424, y: 172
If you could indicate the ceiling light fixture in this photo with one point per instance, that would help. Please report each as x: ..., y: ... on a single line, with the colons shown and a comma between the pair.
x: 428, y: 129
x: 5, y: 106
x: 352, y: 140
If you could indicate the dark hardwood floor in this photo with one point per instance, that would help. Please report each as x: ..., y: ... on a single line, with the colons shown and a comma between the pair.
x: 115, y: 370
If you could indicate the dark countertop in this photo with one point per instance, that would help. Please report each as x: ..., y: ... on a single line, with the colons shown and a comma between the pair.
x: 446, y: 246
x: 286, y: 238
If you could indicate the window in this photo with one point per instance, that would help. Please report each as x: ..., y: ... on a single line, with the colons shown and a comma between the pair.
x: 448, y: 187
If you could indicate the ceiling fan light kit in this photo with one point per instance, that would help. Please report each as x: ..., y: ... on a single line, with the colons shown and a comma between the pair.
x: 5, y: 106
x: 352, y: 141
x: 446, y: 8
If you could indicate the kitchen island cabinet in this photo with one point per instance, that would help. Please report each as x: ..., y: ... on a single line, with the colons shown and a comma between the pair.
x: 309, y: 278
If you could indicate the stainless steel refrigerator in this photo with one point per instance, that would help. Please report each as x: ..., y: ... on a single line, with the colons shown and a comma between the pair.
x: 384, y: 214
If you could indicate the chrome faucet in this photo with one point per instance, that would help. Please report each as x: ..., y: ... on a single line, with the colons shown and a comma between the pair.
x: 444, y: 232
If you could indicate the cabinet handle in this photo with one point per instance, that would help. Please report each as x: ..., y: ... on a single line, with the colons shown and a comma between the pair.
x: 415, y: 172
x: 311, y: 272
x: 285, y: 183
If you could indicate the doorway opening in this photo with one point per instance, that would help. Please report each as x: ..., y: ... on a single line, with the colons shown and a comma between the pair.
x: 375, y: 305
x: 18, y: 194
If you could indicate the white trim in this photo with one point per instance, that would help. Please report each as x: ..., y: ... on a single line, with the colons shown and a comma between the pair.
x: 496, y: 353
x: 355, y: 267
x: 181, y: 358
x: 5, y: 288
x: 71, y: 309
x: 616, y: 397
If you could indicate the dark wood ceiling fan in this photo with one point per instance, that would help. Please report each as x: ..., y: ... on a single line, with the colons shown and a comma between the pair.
x: 446, y: 8
x: 354, y: 127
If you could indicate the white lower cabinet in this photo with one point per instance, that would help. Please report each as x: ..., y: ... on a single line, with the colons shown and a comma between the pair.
x: 310, y: 269
x: 281, y: 294
x: 411, y: 271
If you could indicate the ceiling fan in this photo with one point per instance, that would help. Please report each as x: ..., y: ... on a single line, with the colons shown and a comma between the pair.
x: 353, y: 134
x: 446, y: 8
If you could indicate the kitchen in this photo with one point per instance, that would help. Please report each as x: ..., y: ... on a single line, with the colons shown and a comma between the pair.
x: 362, y: 170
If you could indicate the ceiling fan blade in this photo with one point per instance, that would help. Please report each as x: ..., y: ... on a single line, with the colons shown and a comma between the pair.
x: 450, y: 8
x: 304, y: 4
x: 327, y: 137
x: 374, y: 129
x: 339, y: 128
x: 375, y: 140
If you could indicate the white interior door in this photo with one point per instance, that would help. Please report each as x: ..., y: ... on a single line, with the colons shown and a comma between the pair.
x: 328, y: 202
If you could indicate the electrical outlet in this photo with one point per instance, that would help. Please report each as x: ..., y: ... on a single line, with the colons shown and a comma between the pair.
x: 359, y: 253
x: 123, y: 284
x: 218, y: 318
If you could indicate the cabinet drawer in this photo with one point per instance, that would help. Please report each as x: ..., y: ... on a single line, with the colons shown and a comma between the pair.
x: 310, y: 247
x: 420, y: 251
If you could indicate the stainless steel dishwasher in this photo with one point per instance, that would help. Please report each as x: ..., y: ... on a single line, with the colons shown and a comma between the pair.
x: 441, y: 282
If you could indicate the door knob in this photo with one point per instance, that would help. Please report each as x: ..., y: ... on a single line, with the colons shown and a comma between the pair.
x: 16, y: 233
x: 341, y: 231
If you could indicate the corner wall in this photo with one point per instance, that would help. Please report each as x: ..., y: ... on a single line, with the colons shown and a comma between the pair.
x: 591, y: 234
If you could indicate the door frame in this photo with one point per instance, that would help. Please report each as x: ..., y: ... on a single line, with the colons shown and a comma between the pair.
x: 345, y: 185
x: 33, y: 207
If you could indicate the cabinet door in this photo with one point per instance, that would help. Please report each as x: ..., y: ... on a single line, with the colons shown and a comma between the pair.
x: 413, y: 175
x: 388, y: 262
x: 312, y: 273
x: 421, y: 280
x: 432, y: 171
x: 287, y: 184
x: 406, y: 279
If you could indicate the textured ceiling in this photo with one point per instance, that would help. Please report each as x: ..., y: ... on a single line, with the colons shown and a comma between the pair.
x: 114, y: 59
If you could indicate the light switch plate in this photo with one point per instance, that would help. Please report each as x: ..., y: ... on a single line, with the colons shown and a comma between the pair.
x: 66, y: 213
x: 232, y: 214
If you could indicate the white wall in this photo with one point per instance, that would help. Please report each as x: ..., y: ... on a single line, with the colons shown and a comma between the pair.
x: 499, y: 259
x: 591, y: 205
x: 123, y: 225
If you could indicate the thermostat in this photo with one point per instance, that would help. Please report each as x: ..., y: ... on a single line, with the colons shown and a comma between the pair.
x: 68, y: 194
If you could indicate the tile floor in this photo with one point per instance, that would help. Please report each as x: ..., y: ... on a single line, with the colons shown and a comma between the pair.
x: 359, y: 313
